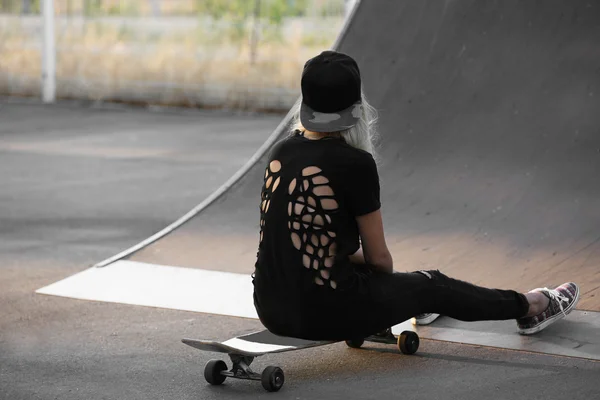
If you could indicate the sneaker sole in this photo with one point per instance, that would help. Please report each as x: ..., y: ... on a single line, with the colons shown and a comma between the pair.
x: 424, y: 321
x: 550, y: 321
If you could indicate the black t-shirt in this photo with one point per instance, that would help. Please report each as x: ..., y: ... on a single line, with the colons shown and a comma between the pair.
x: 312, y: 193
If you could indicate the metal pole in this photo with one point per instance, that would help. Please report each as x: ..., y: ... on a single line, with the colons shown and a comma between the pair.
x: 26, y: 6
x: 255, y: 32
x: 48, y: 53
x: 155, y: 8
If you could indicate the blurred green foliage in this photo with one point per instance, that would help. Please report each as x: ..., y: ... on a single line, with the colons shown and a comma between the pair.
x: 273, y: 10
x: 20, y: 6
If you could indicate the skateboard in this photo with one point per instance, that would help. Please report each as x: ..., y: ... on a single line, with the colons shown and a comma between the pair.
x: 243, y: 349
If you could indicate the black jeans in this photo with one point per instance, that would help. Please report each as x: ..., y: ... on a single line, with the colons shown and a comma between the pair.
x: 376, y: 301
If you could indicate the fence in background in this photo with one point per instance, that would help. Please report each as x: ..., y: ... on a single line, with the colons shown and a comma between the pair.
x: 200, y: 53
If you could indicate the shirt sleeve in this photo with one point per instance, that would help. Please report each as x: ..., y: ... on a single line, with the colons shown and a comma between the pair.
x: 363, y: 187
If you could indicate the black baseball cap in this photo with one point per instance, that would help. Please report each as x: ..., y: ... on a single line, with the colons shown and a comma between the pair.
x: 331, y: 93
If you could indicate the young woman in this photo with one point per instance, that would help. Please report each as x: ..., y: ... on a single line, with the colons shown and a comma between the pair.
x: 323, y: 269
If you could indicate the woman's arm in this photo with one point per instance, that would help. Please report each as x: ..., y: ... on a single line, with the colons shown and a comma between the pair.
x: 374, y: 248
x: 358, y: 257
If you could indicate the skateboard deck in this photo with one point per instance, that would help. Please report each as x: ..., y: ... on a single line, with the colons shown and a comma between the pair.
x: 254, y: 344
x: 264, y: 342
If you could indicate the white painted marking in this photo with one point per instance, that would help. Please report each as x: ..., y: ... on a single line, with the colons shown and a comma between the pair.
x: 143, y: 284
x: 254, y: 347
x: 575, y: 336
x: 226, y: 293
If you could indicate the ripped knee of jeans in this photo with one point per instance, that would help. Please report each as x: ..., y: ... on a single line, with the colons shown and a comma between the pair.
x: 426, y: 273
x: 433, y: 274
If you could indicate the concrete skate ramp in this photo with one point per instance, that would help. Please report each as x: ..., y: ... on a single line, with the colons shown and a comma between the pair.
x: 490, y: 146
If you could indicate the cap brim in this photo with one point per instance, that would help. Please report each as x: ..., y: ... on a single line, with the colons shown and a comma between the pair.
x: 330, y: 122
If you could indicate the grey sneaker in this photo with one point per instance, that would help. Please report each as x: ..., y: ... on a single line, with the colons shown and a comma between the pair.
x: 563, y: 300
x: 424, y: 319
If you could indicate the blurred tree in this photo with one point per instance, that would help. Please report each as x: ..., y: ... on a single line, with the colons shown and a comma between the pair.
x: 222, y: 8
x: 277, y: 10
x: 30, y: 7
x: 92, y: 7
x: 273, y: 10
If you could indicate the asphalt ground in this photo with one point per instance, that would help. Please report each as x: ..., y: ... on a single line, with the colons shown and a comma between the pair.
x: 80, y: 184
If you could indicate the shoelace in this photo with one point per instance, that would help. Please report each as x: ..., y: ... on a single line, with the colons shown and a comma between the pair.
x: 556, y: 296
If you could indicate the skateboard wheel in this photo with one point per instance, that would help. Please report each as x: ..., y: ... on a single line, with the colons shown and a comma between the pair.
x: 272, y: 379
x: 212, y: 372
x: 355, y: 343
x: 408, y: 342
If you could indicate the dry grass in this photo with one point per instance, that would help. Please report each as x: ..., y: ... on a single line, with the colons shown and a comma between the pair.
x: 192, y: 68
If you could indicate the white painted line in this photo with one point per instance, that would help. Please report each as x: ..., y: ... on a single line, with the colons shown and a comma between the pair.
x: 143, y: 284
x: 226, y: 293
x: 574, y: 336
x: 254, y: 347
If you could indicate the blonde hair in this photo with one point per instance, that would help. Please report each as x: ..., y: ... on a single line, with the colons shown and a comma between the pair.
x: 363, y: 135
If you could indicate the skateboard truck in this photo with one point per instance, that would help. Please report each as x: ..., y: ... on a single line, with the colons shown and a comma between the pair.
x: 407, y: 342
x: 241, y: 366
x: 215, y: 372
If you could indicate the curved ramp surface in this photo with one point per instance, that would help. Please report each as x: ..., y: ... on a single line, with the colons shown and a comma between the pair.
x: 490, y: 146
x: 490, y: 169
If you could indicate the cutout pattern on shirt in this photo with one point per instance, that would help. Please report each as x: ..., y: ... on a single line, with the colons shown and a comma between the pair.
x: 312, y: 202
x: 271, y: 182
